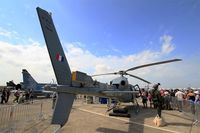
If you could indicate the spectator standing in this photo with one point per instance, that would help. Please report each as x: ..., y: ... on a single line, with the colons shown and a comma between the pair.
x: 157, y: 99
x: 54, y: 97
x: 31, y: 95
x: 172, y: 99
x: 191, y: 98
x: 3, y: 96
x: 144, y: 98
x: 179, y: 95
x: 167, y: 100
x: 17, y: 95
x: 197, y: 98
x: 27, y: 95
x: 150, y: 99
x: 7, y: 95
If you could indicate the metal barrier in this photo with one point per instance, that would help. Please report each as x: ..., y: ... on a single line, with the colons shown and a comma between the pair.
x: 197, y: 114
x: 12, y: 115
x: 189, y: 109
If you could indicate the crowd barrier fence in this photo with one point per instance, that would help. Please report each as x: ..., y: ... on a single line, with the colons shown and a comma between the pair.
x: 189, y: 108
x: 13, y: 115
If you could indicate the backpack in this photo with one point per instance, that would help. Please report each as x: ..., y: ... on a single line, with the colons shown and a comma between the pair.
x: 16, y: 94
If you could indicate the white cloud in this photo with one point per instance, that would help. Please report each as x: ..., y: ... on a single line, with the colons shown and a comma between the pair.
x: 7, y: 33
x: 116, y: 50
x: 167, y: 45
x: 34, y: 57
x: 75, y: 51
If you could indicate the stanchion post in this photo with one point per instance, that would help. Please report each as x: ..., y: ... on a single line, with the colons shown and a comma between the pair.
x: 11, y: 122
x: 40, y: 114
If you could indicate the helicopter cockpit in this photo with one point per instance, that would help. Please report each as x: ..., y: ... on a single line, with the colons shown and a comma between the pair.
x: 119, y: 83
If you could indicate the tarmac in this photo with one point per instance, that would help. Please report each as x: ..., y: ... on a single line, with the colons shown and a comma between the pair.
x: 92, y: 118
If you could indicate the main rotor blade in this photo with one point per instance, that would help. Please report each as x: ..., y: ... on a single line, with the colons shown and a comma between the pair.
x: 138, y: 78
x: 104, y: 74
x: 152, y: 64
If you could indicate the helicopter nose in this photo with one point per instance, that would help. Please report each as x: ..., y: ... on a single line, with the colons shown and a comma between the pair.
x: 123, y: 83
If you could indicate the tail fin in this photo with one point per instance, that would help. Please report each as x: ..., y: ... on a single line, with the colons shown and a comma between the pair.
x: 60, y: 66
x: 28, y: 80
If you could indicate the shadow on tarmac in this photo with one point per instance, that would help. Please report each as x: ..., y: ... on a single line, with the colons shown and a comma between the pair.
x: 146, y: 116
x: 107, y: 130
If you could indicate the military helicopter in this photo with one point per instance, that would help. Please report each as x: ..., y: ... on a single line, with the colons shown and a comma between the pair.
x: 70, y: 84
x: 121, y: 83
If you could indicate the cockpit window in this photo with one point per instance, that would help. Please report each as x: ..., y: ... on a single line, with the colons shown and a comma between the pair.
x: 117, y: 85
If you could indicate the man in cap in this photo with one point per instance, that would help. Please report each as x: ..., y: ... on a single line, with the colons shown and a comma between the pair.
x: 157, y: 99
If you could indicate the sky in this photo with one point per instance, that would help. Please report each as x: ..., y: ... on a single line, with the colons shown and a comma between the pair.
x: 104, y: 36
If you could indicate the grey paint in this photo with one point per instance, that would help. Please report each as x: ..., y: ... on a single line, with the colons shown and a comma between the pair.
x: 61, y: 68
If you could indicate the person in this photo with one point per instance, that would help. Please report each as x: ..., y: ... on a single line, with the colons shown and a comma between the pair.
x: 27, y: 95
x: 17, y: 95
x: 150, y: 99
x: 191, y: 98
x: 157, y: 99
x: 21, y: 98
x: 54, y: 97
x: 167, y: 100
x: 197, y: 97
x: 144, y: 98
x: 31, y: 95
x: 197, y: 105
x: 8, y: 94
x: 179, y: 95
x: 3, y: 96
x: 172, y: 99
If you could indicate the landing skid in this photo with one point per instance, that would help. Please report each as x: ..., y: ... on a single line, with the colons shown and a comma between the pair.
x: 123, y: 111
x: 118, y: 110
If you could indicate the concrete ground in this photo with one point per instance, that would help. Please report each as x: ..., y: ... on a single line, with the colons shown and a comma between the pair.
x: 92, y: 118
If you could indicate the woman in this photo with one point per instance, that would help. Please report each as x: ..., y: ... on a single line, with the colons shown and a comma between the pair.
x: 191, y: 98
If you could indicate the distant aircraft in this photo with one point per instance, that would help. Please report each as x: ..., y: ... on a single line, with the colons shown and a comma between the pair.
x: 70, y: 84
x: 12, y: 86
x: 29, y: 83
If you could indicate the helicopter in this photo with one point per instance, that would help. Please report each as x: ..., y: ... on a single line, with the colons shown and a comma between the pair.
x: 121, y: 83
x: 70, y: 84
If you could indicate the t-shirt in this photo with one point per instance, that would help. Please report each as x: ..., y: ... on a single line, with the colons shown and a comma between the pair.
x: 197, y: 98
x: 179, y: 95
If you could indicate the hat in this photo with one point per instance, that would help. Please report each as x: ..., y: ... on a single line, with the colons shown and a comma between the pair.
x: 156, y: 85
x: 196, y: 92
x: 166, y: 93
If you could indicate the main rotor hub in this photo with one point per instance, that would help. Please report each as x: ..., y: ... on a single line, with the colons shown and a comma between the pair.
x: 122, y: 72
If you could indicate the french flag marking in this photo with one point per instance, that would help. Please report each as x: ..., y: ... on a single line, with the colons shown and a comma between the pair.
x: 59, y: 57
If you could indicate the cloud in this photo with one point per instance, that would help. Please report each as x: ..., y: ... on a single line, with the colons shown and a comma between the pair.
x: 34, y: 57
x: 116, y: 50
x: 7, y: 33
x: 167, y: 45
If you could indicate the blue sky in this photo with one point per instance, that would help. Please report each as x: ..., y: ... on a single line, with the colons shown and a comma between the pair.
x: 136, y: 30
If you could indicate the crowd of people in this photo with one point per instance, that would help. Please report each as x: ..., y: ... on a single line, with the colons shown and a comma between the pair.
x: 170, y: 99
x: 19, y: 96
